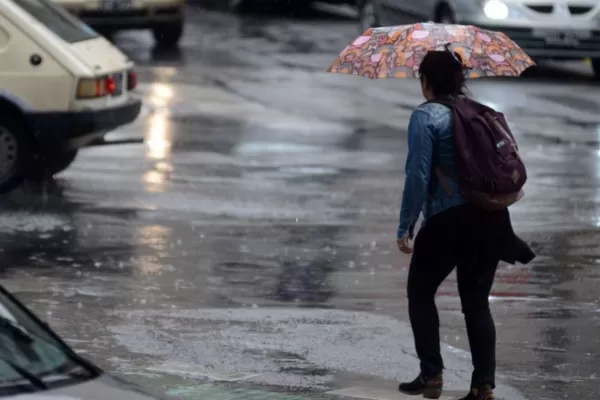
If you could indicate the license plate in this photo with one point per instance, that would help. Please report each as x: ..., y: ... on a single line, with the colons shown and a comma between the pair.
x: 115, y: 5
x: 562, y: 37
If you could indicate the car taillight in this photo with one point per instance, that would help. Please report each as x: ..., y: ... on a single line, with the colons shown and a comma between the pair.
x: 132, y: 80
x: 111, y: 85
x: 89, y: 88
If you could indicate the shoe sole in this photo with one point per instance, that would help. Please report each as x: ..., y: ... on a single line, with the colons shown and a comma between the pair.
x: 412, y: 392
x: 427, y: 393
x: 432, y: 393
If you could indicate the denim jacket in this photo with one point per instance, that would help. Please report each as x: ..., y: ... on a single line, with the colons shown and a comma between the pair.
x: 430, y: 145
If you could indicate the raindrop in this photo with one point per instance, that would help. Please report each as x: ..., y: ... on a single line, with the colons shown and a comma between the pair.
x: 373, y: 245
x: 254, y: 306
x: 371, y: 271
x: 97, y: 264
x: 351, y: 264
x: 143, y: 301
x: 79, y: 305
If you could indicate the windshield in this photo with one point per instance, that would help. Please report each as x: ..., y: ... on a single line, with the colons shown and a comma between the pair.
x: 30, y: 356
x: 58, y: 20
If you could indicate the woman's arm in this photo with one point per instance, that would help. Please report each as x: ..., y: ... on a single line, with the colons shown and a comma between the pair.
x: 418, y: 171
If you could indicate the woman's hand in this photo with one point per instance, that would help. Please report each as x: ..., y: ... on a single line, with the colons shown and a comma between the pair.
x: 404, y: 245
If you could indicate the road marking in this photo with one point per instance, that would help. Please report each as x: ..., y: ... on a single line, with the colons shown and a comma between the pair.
x: 368, y: 393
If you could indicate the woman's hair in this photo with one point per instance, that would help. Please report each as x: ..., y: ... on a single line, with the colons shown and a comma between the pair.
x: 444, y: 72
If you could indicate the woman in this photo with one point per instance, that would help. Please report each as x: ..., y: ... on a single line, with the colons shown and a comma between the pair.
x: 454, y: 234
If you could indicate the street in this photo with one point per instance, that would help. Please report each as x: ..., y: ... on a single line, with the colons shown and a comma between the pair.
x: 248, y: 247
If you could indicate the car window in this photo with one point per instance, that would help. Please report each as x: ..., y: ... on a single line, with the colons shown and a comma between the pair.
x: 58, y: 20
x: 30, y: 355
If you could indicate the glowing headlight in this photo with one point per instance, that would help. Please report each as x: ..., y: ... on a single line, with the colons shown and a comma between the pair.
x: 495, y: 9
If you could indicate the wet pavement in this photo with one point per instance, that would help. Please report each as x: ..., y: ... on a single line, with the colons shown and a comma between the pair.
x: 248, y: 247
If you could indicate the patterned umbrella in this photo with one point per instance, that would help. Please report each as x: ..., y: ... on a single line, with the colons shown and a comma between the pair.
x: 397, y: 51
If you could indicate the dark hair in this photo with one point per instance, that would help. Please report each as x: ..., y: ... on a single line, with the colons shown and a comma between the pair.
x: 444, y: 72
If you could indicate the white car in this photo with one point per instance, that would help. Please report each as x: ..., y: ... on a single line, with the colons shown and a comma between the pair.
x: 62, y: 87
x: 165, y: 18
x: 552, y: 29
x: 36, y: 364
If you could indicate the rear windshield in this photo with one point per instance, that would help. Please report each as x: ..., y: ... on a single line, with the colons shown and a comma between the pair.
x: 58, y: 20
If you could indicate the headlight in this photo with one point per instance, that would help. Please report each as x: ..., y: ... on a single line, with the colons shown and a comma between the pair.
x: 495, y: 9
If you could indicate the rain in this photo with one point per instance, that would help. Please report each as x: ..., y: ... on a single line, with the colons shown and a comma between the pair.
x: 247, y: 248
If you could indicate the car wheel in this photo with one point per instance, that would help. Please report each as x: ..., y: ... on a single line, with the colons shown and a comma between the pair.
x: 368, y: 16
x: 49, y: 165
x: 445, y: 15
x: 236, y: 5
x: 168, y: 35
x: 596, y: 67
x: 15, y: 152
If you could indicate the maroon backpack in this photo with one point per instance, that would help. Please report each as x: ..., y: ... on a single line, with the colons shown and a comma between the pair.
x: 490, y: 172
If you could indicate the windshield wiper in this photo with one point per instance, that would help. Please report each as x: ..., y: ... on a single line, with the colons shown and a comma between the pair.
x: 34, y: 380
x: 15, y: 329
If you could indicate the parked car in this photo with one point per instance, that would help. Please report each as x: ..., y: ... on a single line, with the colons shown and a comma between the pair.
x: 62, y: 87
x: 294, y: 5
x: 561, y: 30
x: 163, y: 17
x: 36, y: 362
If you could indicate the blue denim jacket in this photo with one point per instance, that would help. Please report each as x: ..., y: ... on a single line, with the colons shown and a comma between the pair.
x: 430, y: 144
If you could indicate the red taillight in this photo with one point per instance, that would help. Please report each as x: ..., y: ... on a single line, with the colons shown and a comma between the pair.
x: 132, y: 80
x: 111, y: 85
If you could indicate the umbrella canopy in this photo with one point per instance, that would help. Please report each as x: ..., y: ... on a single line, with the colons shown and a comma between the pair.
x: 397, y: 51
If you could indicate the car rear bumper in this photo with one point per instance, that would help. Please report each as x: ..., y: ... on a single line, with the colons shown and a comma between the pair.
x: 75, y: 129
x: 538, y: 47
x: 133, y: 19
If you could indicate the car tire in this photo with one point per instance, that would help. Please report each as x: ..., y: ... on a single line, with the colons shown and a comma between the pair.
x: 237, y: 6
x: 46, y: 166
x: 445, y: 15
x: 168, y: 35
x: 368, y: 15
x: 596, y: 68
x: 15, y: 151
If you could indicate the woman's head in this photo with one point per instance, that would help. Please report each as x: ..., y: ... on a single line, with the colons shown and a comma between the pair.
x: 442, y: 74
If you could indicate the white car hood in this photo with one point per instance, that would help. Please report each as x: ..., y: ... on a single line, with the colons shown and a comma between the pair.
x: 103, y: 388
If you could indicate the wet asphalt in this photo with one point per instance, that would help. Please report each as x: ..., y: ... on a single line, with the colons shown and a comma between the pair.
x: 250, y: 240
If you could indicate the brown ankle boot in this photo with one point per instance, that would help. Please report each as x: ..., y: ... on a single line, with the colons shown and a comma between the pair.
x: 431, y: 388
x: 485, y: 392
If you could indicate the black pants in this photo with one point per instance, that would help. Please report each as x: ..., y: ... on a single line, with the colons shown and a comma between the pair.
x: 466, y: 238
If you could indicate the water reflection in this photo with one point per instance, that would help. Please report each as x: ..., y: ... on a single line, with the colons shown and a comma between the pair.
x: 59, y: 235
x: 158, y: 139
x: 161, y: 54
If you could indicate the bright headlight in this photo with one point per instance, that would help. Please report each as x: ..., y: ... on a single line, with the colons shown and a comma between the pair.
x: 495, y: 9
